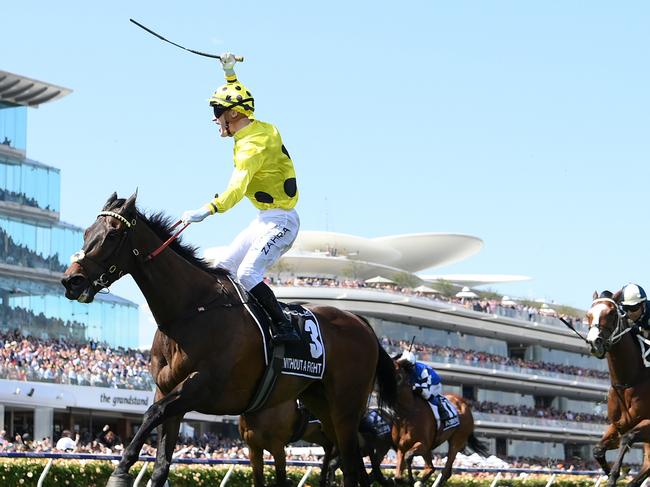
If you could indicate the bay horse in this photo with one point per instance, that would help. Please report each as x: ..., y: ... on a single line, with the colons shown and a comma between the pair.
x: 207, y: 354
x: 416, y: 432
x: 272, y: 429
x: 628, y: 401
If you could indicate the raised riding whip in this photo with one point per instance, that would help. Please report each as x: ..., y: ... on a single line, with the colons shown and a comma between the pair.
x: 239, y: 59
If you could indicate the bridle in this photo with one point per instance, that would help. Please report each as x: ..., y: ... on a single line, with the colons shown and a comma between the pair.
x: 109, y: 273
x: 621, y: 327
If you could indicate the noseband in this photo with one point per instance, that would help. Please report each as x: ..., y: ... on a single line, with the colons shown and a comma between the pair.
x: 621, y: 327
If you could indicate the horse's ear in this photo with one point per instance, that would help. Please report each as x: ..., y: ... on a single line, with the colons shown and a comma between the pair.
x: 129, y: 205
x: 111, y: 199
x: 595, y: 296
x: 617, y: 296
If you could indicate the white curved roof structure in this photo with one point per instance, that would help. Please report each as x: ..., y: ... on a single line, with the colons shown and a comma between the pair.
x: 473, y: 280
x: 330, y: 254
x: 410, y: 253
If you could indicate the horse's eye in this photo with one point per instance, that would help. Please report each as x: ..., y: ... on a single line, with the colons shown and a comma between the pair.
x: 112, y: 235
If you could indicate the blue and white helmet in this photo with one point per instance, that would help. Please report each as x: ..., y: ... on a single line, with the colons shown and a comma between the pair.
x: 633, y: 294
x: 407, y: 356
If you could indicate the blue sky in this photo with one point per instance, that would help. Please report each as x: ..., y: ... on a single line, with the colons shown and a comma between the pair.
x: 523, y: 123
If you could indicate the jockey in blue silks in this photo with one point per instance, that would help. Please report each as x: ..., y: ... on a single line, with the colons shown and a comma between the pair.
x: 426, y: 382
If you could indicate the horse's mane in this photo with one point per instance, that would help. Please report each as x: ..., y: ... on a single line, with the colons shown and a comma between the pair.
x: 161, y: 225
x: 606, y: 294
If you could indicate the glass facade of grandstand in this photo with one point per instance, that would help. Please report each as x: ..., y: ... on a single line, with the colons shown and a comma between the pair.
x: 35, y: 242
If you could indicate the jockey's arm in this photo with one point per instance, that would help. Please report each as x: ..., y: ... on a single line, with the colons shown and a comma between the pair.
x: 248, y: 160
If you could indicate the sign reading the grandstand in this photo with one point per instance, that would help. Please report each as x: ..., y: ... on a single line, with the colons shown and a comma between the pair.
x: 65, y: 396
x: 130, y: 400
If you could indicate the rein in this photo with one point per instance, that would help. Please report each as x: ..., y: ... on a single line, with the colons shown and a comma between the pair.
x: 104, y: 281
x: 168, y: 241
x: 570, y: 327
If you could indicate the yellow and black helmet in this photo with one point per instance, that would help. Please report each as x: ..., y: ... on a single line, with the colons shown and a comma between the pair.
x: 233, y: 96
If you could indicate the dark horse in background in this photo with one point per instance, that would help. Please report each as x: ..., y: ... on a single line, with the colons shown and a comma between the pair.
x: 273, y: 428
x: 628, y: 402
x: 207, y: 354
x: 416, y: 432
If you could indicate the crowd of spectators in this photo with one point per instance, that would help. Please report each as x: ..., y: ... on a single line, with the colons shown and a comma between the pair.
x: 436, y: 352
x: 66, y: 360
x: 507, y: 308
x: 63, y: 362
x: 530, y: 412
x: 39, y: 325
x: 20, y: 255
x: 20, y: 198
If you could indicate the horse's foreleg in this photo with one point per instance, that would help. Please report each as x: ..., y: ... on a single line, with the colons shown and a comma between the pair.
x: 167, y: 436
x: 280, y: 461
x: 176, y: 403
x: 626, y: 442
x: 408, y: 458
x: 428, y: 466
x: 454, y: 447
x: 376, y: 457
x: 330, y: 466
x: 256, y: 457
x: 645, y: 468
x: 609, y: 441
x: 399, y: 465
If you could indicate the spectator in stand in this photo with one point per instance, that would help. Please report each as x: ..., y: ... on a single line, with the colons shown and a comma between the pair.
x: 66, y: 443
x: 109, y: 439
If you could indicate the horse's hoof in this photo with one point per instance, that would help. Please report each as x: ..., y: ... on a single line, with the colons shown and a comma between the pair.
x: 120, y: 480
x: 418, y: 484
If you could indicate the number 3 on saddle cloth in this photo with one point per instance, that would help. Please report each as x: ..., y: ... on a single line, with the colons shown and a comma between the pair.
x: 451, y: 419
x: 305, y: 358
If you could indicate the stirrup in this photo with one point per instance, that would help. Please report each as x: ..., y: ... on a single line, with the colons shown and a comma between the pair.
x: 284, y: 333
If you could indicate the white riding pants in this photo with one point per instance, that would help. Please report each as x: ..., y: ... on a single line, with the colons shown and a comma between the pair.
x: 260, y: 245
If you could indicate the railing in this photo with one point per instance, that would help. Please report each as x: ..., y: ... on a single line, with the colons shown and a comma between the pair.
x: 525, y: 422
x: 438, y: 359
x: 308, y: 464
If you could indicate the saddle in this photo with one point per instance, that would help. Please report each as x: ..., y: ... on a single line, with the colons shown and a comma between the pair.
x: 452, y: 420
x: 375, y: 424
x: 305, y: 358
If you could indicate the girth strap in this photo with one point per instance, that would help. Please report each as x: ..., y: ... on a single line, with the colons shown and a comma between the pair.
x: 268, y: 379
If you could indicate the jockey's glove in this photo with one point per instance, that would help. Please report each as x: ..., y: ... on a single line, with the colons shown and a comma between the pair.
x: 636, y: 329
x: 193, y: 216
x: 228, y: 63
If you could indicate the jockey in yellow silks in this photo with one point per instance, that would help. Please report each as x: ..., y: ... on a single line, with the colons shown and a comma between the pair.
x: 264, y: 173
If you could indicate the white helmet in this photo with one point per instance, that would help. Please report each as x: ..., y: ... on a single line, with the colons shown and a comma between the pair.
x: 633, y: 294
x: 407, y: 356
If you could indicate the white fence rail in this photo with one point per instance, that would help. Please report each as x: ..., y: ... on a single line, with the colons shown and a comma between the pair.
x: 597, y: 474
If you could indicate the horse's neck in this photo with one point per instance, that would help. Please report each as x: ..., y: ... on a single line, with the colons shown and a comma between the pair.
x: 170, y: 284
x: 624, y: 360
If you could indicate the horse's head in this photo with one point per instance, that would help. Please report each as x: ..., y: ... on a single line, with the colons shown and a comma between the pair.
x: 104, y: 256
x: 403, y: 371
x: 606, y: 322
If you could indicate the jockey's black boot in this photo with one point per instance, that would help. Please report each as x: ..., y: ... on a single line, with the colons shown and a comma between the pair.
x: 281, y: 328
x: 442, y: 411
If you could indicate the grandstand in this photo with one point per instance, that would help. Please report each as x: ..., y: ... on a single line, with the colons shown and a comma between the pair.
x: 513, y: 356
x: 35, y: 245
x: 67, y: 366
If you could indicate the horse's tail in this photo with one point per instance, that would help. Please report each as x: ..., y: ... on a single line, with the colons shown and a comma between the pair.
x: 384, y: 376
x: 477, y: 445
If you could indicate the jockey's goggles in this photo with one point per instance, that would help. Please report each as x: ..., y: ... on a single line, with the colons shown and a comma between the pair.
x: 633, y: 308
x: 219, y: 110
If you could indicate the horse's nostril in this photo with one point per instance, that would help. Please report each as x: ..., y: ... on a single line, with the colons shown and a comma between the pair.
x: 73, y: 281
